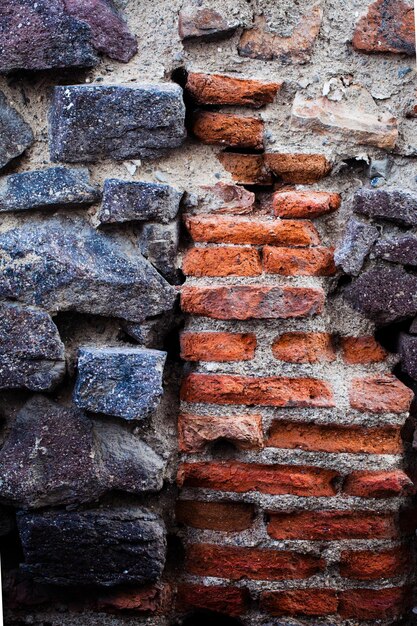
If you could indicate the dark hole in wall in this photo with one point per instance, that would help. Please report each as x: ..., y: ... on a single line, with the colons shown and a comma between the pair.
x: 222, y: 449
x: 208, y: 618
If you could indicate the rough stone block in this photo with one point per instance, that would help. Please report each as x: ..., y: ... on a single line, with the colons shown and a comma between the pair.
x: 159, y: 244
x: 15, y: 136
x: 53, y: 188
x: 92, y: 122
x: 138, y: 201
x: 97, y: 547
x: 402, y: 249
x: 356, y: 244
x: 408, y: 352
x: 394, y: 205
x: 32, y: 354
x: 204, y: 24
x: 126, y: 382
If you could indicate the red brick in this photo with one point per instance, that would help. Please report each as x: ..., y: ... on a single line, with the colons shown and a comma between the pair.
x: 371, y: 565
x: 331, y: 525
x: 388, y: 26
x: 240, y: 477
x: 304, y: 347
x: 236, y: 563
x: 204, y: 24
x: 335, y: 438
x: 307, y: 204
x: 225, y: 129
x: 222, y: 516
x: 364, y: 484
x: 308, y: 602
x: 217, y: 346
x: 298, y: 168
x: 246, y: 169
x: 243, y: 302
x: 222, y: 261
x: 380, y: 394
x: 196, y: 431
x: 362, y: 350
x: 292, y: 262
x: 154, y: 599
x: 236, y: 229
x: 225, y: 600
x: 220, y: 89
x: 374, y: 604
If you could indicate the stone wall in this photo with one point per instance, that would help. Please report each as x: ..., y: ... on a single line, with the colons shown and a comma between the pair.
x: 208, y: 295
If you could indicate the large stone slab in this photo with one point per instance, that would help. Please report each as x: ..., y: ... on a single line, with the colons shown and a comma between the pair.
x: 63, y: 264
x: 53, y: 188
x: 15, y: 134
x: 126, y: 382
x: 32, y: 354
x: 138, y: 201
x: 393, y: 205
x: 92, y: 122
x: 355, y: 246
x: 401, y: 249
x: 98, y: 547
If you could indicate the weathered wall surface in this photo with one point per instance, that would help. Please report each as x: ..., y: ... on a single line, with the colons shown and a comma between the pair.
x: 247, y: 451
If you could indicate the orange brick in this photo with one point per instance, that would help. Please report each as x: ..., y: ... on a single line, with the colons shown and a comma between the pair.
x: 225, y: 129
x: 152, y: 599
x: 358, y: 350
x: 221, y: 89
x: 375, y: 604
x: 308, y: 602
x: 223, y: 516
x: 196, y: 431
x: 304, y: 347
x: 217, y: 346
x: 380, y: 394
x: 388, y: 26
x: 243, y: 302
x: 331, y: 525
x: 364, y: 484
x: 240, y: 477
x: 224, y: 600
x: 222, y: 261
x: 335, y: 438
x: 298, y: 168
x: 371, y: 565
x: 236, y: 563
x: 245, y: 230
x: 246, y: 169
x: 295, y: 262
x: 308, y: 204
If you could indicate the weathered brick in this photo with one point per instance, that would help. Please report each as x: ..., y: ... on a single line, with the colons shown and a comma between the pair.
x: 236, y: 563
x: 148, y: 600
x: 225, y: 129
x: 246, y: 169
x: 298, y: 168
x: 240, y: 477
x: 304, y: 347
x: 374, y: 604
x: 245, y: 302
x: 388, y: 26
x: 380, y: 394
x: 307, y: 204
x: 295, y: 262
x: 364, y: 484
x: 221, y: 89
x: 332, y: 525
x: 335, y: 438
x: 227, y: 198
x: 217, y: 346
x: 204, y: 24
x: 196, y: 431
x: 308, y: 602
x: 223, y: 516
x: 362, y: 350
x: 226, y: 600
x: 272, y: 391
x: 244, y: 230
x: 371, y: 565
x: 222, y: 261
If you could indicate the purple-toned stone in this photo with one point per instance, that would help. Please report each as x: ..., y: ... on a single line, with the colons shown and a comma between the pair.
x: 402, y: 249
x: 408, y: 353
x: 392, y: 205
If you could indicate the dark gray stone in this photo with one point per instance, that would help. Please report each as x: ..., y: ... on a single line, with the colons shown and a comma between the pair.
x: 32, y: 355
x: 92, y: 122
x: 355, y: 246
x: 99, y: 547
x: 152, y: 333
x: 15, y: 134
x: 63, y: 264
x: 402, y: 249
x: 40, y: 35
x: 126, y: 382
x: 394, y: 205
x: 55, y: 455
x: 159, y: 244
x: 384, y: 294
x: 7, y: 521
x: 138, y: 201
x: 53, y: 188
x: 412, y: 329
x: 408, y: 353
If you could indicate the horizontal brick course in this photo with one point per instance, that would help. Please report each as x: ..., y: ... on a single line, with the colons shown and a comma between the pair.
x: 362, y: 350
x: 217, y: 346
x: 228, y: 90
x: 246, y: 169
x: 299, y: 262
x: 297, y: 167
x: 304, y: 204
x: 297, y: 347
x: 379, y: 484
x: 222, y: 516
x: 196, y: 431
x: 234, y: 131
x: 222, y: 261
x: 306, y: 602
x: 372, y: 564
x: 380, y: 394
x: 374, y: 604
x: 226, y: 600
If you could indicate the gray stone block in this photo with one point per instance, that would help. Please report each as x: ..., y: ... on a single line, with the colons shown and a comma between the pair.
x: 159, y: 244
x: 352, y: 250
x: 15, y: 134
